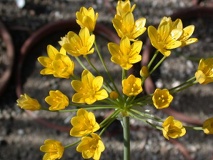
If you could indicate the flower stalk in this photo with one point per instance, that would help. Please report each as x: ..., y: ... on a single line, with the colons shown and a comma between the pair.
x: 126, y: 137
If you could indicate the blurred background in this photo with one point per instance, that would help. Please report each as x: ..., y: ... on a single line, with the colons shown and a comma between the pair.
x: 28, y: 26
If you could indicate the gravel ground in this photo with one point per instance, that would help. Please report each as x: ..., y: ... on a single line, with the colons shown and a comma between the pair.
x: 21, y: 135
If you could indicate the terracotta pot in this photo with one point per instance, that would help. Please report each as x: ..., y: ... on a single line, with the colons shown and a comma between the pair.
x: 7, y: 40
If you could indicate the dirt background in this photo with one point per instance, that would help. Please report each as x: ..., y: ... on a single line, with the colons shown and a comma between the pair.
x: 21, y: 135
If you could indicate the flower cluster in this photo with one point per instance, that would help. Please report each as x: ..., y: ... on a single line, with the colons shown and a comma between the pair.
x: 93, y: 91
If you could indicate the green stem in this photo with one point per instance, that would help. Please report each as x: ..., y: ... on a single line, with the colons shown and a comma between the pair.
x: 189, y: 81
x: 157, y: 65
x: 183, y: 88
x: 90, y: 63
x: 107, y: 125
x: 153, y: 125
x: 130, y: 101
x: 104, y: 65
x: 146, y: 99
x: 111, y: 101
x: 124, y: 73
x: 74, y: 77
x: 108, y: 87
x: 144, y: 115
x: 88, y: 108
x: 112, y: 116
x: 126, y: 136
x: 194, y: 127
x: 73, y: 144
x: 82, y: 65
x: 153, y: 58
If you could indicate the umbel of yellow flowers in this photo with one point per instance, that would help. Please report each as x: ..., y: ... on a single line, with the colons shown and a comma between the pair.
x: 94, y: 92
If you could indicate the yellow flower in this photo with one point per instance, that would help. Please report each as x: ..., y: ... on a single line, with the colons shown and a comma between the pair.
x: 77, y: 45
x: 165, y: 37
x: 204, y: 74
x: 132, y: 86
x: 208, y: 126
x: 83, y: 124
x: 63, y: 41
x: 173, y: 128
x: 127, y: 26
x: 91, y: 147
x: 28, y: 103
x: 125, y: 54
x: 144, y: 72
x: 63, y: 66
x: 187, y: 32
x: 123, y: 7
x: 162, y: 98
x: 53, y: 149
x: 87, y: 18
x: 113, y: 95
x: 88, y: 89
x: 57, y: 100
x: 57, y: 63
x: 47, y: 61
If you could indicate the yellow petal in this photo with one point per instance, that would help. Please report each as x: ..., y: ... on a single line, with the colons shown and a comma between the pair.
x: 102, y: 94
x: 84, y: 35
x: 97, y: 83
x: 177, y: 24
x: 87, y: 77
x: 153, y: 36
x: 190, y: 41
x: 113, y: 48
x: 173, y: 44
x: 176, y: 33
x: 128, y: 22
x: 45, y: 61
x: 200, y: 76
x: 188, y: 31
x: 46, y: 71
x: 52, y: 51
x: 125, y: 45
x: 164, y: 30
x: 77, y: 98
